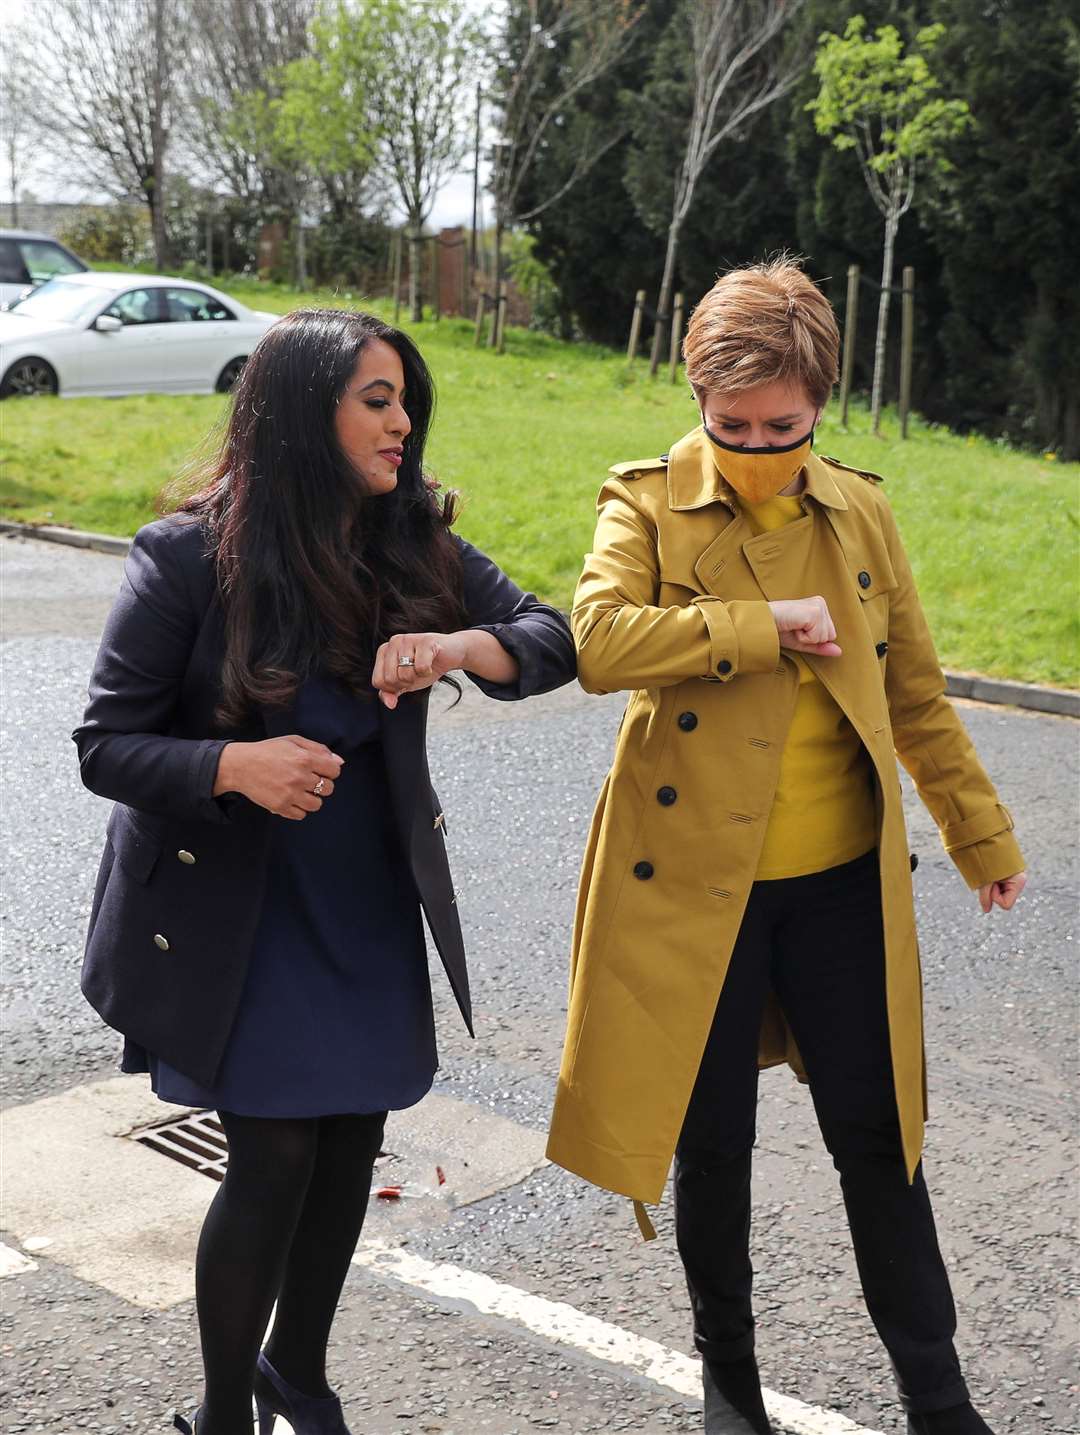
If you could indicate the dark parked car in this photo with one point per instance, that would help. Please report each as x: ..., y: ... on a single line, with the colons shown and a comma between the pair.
x: 28, y: 259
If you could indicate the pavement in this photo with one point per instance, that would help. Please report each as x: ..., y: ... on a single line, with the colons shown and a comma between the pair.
x: 514, y: 1298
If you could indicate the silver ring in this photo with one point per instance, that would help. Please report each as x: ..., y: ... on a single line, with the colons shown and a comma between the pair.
x: 406, y: 662
x: 320, y: 787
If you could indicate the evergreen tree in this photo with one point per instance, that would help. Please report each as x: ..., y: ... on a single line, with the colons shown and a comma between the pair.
x: 1007, y: 222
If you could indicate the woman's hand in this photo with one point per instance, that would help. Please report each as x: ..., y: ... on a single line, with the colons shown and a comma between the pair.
x: 806, y: 626
x: 433, y: 655
x: 289, y: 776
x: 1002, y: 894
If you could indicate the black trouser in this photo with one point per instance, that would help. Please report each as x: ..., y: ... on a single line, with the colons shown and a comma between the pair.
x: 817, y: 942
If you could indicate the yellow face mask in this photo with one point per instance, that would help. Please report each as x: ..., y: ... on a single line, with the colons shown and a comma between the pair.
x: 760, y: 473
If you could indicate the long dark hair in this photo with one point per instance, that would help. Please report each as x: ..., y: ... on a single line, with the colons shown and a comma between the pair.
x: 312, y: 570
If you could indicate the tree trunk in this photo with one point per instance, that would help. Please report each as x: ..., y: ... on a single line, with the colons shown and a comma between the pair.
x: 152, y: 195
x: 892, y: 223
x: 416, y: 244
x: 13, y: 181
x: 663, y: 304
x: 157, y: 141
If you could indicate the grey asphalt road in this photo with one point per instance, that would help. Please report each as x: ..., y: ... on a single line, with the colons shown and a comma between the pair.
x: 518, y: 783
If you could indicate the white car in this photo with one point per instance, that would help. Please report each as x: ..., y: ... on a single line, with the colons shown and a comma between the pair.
x: 115, y: 334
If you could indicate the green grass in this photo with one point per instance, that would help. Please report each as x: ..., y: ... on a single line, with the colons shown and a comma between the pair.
x: 527, y: 438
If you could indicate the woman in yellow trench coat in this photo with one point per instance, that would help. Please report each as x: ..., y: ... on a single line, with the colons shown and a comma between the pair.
x: 746, y: 896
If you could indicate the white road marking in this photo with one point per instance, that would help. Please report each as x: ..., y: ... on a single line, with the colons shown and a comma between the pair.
x: 13, y: 1263
x: 554, y: 1320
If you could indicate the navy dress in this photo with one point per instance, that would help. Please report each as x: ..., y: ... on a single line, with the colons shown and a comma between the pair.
x: 336, y: 1014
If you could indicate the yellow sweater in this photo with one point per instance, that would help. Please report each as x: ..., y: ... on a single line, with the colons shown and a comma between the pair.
x: 823, y: 813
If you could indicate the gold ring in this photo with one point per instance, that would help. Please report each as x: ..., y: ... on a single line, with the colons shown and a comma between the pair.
x: 320, y: 787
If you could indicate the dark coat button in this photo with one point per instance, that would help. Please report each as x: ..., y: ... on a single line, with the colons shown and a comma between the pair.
x: 666, y: 796
x: 881, y: 649
x: 688, y: 721
x: 864, y: 579
x: 914, y: 860
x: 643, y: 871
x: 723, y: 666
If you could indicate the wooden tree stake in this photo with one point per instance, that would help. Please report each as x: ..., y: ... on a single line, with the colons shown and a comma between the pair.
x: 635, y: 326
x: 676, y: 337
x: 851, y: 315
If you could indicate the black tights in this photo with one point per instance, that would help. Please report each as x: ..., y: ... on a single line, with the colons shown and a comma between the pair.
x: 283, y: 1226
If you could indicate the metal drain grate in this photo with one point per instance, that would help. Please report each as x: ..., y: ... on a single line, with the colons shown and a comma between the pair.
x: 198, y: 1140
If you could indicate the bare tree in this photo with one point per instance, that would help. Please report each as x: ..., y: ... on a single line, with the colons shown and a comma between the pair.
x: 736, y: 71
x: 105, y: 92
x: 421, y: 108
x: 237, y: 51
x: 592, y: 36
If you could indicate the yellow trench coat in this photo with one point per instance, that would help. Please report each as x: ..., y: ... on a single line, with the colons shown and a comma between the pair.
x: 672, y: 605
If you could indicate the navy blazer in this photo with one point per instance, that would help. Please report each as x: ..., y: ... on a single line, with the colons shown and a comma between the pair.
x: 181, y: 880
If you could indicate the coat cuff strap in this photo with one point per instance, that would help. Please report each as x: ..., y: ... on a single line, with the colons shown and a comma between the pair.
x: 742, y: 637
x: 977, y: 828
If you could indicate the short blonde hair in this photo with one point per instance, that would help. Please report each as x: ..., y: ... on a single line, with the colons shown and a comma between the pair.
x: 762, y: 324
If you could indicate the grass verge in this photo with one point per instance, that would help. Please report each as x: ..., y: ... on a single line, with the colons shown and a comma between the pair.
x: 527, y: 438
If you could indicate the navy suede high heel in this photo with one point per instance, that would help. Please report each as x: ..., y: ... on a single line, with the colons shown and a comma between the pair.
x: 307, y: 1415
x: 179, y: 1423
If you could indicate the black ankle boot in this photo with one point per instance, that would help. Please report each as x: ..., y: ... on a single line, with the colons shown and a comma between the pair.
x: 733, y: 1403
x: 957, y: 1420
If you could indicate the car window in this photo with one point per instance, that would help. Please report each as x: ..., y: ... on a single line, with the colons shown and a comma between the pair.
x: 12, y: 269
x: 184, y: 305
x: 136, y: 306
x: 43, y: 260
x: 61, y: 299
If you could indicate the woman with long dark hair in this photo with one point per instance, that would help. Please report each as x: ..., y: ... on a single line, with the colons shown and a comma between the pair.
x: 257, y: 713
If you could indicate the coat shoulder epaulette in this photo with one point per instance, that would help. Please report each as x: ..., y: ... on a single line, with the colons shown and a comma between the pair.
x: 866, y: 473
x: 639, y: 468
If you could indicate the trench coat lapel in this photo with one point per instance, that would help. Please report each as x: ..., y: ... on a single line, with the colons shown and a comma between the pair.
x: 721, y: 568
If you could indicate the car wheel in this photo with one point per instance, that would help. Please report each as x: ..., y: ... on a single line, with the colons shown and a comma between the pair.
x: 29, y: 379
x: 229, y: 374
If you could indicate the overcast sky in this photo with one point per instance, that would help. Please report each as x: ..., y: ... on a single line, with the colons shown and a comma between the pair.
x: 48, y: 182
